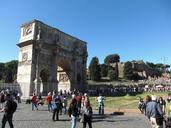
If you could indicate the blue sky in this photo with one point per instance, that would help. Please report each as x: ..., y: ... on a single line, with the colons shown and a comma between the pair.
x: 135, y: 29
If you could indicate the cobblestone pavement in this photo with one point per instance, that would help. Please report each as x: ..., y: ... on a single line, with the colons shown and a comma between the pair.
x: 25, y: 118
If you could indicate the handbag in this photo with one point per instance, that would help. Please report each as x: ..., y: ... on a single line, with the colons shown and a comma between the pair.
x: 82, y: 119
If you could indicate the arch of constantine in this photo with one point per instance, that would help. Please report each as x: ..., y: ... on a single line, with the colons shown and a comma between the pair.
x: 50, y: 59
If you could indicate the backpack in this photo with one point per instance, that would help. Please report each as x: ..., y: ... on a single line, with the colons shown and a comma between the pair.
x: 13, y: 106
x: 88, y: 112
x: 2, y: 98
x: 56, y: 106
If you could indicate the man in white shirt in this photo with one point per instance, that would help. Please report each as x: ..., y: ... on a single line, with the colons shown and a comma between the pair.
x: 100, y: 100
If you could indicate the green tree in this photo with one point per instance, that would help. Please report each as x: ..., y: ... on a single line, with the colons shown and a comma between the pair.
x: 152, y: 65
x: 128, y: 70
x: 136, y: 77
x: 94, y: 68
x: 160, y: 66
x: 113, y: 58
x: 170, y: 75
x: 10, y: 71
x: 2, y: 67
x: 167, y: 67
x: 104, y: 70
x: 113, y: 75
x: 115, y: 70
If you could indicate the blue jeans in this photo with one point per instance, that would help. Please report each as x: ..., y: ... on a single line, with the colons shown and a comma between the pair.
x: 34, y: 105
x: 101, y: 108
x: 73, y: 121
x: 64, y: 109
x: 49, y: 107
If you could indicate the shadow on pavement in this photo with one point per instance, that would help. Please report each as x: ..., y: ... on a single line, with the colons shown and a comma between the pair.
x: 44, y: 120
x: 106, y: 117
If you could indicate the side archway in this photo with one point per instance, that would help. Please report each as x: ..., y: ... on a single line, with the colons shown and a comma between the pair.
x: 44, y: 84
x: 64, y: 75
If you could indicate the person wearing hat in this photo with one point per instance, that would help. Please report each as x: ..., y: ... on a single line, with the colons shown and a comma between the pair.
x: 154, y: 113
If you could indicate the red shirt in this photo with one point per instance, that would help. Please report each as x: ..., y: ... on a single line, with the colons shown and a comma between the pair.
x: 49, y: 99
x: 78, y: 98
x: 34, y: 99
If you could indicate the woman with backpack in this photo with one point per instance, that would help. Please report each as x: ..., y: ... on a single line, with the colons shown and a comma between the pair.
x: 73, y: 112
x: 87, y: 115
x: 56, y: 105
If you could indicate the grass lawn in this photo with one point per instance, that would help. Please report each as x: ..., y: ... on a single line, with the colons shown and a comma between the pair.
x: 125, y: 102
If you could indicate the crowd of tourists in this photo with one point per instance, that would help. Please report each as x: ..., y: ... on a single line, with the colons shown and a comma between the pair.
x: 127, y: 89
x: 114, y: 90
x: 15, y: 95
x: 157, y: 110
x: 77, y: 105
x: 157, y: 88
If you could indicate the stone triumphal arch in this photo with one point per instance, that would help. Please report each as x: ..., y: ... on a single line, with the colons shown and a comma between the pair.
x: 50, y: 59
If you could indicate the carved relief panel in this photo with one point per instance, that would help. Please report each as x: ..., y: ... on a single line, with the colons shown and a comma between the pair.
x: 24, y: 56
x: 27, y: 30
x: 63, y: 78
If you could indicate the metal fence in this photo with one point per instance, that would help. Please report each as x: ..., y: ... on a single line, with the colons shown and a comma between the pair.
x: 23, y: 88
x: 10, y: 86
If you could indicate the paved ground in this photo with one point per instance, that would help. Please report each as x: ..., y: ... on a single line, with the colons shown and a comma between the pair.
x: 25, y: 118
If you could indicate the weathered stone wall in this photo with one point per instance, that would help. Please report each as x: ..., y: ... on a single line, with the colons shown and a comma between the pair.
x: 141, y: 68
x: 144, y: 70
x: 25, y: 68
x: 120, y: 70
